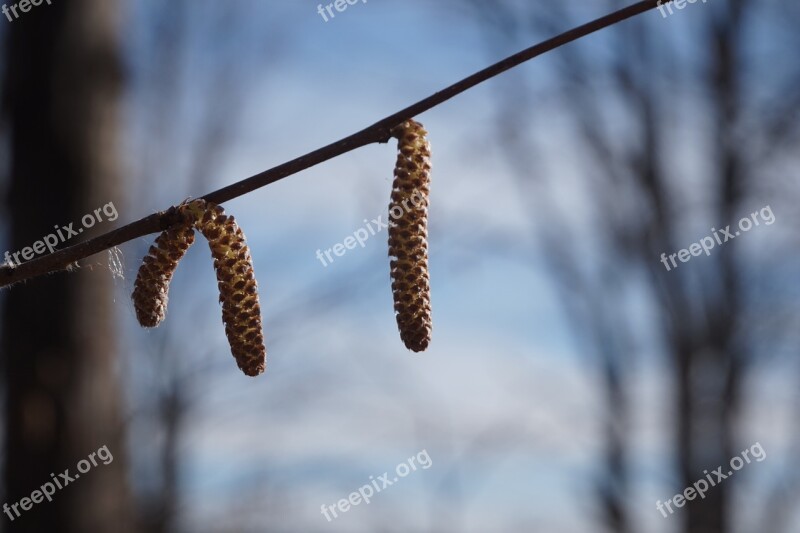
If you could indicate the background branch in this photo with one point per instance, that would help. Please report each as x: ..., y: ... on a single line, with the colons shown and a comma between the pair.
x: 376, y: 133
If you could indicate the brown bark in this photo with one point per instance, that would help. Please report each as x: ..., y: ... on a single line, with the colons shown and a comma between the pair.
x: 59, y: 343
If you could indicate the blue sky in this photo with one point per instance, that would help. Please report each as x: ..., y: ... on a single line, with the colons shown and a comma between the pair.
x: 503, y: 401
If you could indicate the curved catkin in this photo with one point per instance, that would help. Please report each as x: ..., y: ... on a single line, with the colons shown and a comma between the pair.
x: 238, y: 290
x: 151, y: 289
x: 408, y: 236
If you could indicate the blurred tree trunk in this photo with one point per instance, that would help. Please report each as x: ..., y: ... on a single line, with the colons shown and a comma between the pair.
x: 59, y: 344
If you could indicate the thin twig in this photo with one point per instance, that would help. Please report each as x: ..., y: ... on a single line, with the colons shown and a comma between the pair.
x: 377, y: 133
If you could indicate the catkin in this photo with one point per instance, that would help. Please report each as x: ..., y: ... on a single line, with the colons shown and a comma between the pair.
x: 151, y: 289
x: 408, y: 236
x: 238, y: 290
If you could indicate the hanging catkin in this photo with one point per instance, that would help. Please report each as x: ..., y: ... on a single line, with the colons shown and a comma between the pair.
x: 238, y: 289
x: 151, y: 289
x: 408, y: 235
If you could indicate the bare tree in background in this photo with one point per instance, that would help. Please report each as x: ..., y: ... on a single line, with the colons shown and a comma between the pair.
x: 62, y: 84
x: 714, y: 314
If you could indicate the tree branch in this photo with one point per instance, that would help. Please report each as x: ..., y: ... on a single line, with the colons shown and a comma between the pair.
x: 376, y: 133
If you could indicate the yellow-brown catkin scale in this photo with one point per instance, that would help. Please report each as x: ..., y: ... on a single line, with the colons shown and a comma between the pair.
x: 408, y: 235
x: 151, y: 290
x: 238, y: 290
